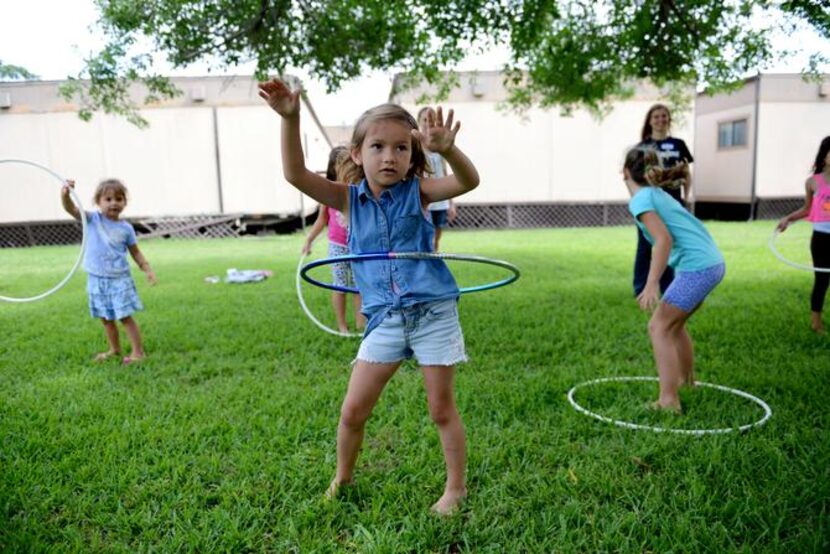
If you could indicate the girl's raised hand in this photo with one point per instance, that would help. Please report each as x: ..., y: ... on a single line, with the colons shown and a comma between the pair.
x: 439, y: 135
x: 69, y: 184
x: 281, y: 99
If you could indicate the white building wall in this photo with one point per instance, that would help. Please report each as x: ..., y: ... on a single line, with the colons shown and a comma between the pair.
x: 790, y: 133
x: 170, y: 167
x: 723, y: 175
x: 548, y: 157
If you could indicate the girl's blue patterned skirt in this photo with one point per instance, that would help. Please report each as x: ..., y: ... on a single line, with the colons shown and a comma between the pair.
x: 112, y: 298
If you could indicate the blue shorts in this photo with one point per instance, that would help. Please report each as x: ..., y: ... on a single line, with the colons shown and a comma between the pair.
x: 690, y: 288
x: 439, y: 218
x: 112, y: 298
x: 430, y: 332
x: 341, y: 272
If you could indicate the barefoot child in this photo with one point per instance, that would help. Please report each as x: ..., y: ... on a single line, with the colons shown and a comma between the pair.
x: 817, y: 210
x: 681, y: 241
x: 411, y: 304
x: 111, y: 290
x: 338, y: 246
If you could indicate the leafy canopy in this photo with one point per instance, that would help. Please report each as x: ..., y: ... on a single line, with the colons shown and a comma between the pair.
x: 567, y: 52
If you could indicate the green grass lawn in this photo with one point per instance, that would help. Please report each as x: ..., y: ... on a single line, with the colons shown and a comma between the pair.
x: 224, y: 439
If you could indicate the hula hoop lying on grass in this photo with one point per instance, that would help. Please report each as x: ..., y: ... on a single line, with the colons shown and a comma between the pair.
x: 80, y: 207
x: 773, y: 238
x: 697, y: 432
x: 317, y: 322
x: 412, y: 256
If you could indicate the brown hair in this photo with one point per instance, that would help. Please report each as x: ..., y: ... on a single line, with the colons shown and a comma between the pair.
x: 382, y: 112
x: 644, y: 167
x: 645, y: 134
x: 109, y: 185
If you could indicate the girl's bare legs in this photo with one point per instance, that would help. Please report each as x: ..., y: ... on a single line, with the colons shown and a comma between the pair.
x: 338, y: 304
x: 359, y: 318
x: 111, y: 330
x: 137, y: 351
x: 674, y: 359
x: 686, y: 353
x: 365, y: 385
x: 438, y: 381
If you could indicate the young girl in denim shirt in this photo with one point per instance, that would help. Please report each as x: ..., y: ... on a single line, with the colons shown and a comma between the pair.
x: 411, y: 305
x: 110, y: 287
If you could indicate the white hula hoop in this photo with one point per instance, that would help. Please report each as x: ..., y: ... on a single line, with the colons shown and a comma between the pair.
x: 72, y: 271
x: 696, y: 432
x: 772, y: 239
x: 317, y: 322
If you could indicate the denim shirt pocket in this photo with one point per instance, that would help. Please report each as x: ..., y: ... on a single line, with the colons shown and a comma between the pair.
x: 405, y: 230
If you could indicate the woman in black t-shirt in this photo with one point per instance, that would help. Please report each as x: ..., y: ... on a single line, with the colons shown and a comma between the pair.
x: 670, y: 151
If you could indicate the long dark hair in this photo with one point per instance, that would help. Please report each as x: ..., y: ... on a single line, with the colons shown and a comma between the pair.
x: 644, y: 167
x: 645, y: 134
x: 823, y: 148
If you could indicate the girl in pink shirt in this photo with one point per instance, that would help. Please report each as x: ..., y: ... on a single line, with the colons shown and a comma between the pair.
x: 338, y: 240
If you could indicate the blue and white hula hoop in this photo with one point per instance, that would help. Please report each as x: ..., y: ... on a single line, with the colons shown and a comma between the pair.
x: 412, y: 256
x: 697, y: 432
x: 773, y: 238
x: 80, y: 207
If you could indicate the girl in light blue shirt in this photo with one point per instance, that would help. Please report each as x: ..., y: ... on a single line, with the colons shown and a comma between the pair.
x: 411, y: 304
x: 110, y: 287
x: 681, y: 241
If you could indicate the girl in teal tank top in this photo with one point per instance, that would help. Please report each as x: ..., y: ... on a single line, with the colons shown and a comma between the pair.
x: 681, y: 241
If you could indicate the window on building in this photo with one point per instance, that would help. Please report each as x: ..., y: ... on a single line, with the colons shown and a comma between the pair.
x: 732, y: 133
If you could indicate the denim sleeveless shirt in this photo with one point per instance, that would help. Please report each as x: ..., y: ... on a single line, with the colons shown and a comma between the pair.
x: 394, y: 223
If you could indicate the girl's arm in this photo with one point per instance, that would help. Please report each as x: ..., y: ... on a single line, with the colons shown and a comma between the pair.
x: 66, y: 200
x: 804, y: 211
x: 687, y: 186
x: 142, y: 262
x: 660, y: 250
x: 440, y: 137
x: 287, y: 105
x: 319, y: 223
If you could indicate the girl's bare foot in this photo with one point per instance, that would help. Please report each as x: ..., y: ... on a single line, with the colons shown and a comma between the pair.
x: 104, y: 356
x: 671, y: 406
x: 334, y: 488
x: 132, y: 359
x: 449, y: 502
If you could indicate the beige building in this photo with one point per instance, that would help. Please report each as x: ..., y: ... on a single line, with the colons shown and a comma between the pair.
x: 544, y: 156
x: 756, y: 146
x: 213, y: 150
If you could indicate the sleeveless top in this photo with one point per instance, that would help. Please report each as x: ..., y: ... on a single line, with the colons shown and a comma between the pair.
x: 820, y: 209
x: 395, y: 222
x: 338, y: 227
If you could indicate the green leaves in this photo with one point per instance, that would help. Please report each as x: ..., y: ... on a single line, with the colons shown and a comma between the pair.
x: 567, y: 52
x: 9, y: 72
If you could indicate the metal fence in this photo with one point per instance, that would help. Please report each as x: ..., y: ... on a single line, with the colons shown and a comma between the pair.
x: 469, y: 216
x: 45, y: 233
x: 524, y: 216
x: 776, y: 208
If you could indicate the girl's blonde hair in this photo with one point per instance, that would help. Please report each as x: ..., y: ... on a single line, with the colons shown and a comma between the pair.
x: 418, y: 162
x: 110, y: 185
x: 644, y: 167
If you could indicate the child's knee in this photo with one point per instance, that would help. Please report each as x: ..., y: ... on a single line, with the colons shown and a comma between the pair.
x: 353, y: 415
x: 443, y: 412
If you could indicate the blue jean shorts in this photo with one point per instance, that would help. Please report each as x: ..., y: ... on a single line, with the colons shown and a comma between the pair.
x: 690, y: 288
x: 439, y: 218
x: 429, y: 332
